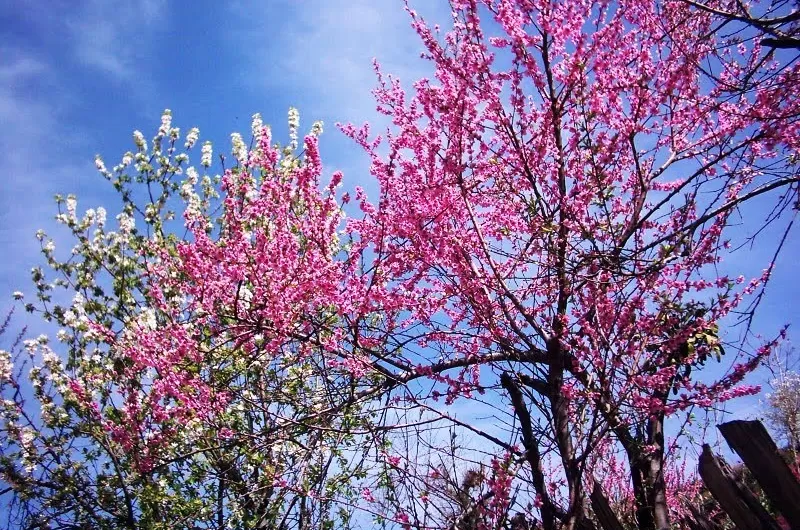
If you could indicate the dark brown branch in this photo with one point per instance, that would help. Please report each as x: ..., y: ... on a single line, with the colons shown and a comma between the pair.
x: 532, y: 454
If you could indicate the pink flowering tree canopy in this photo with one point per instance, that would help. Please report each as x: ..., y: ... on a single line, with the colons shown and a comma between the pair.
x: 554, y: 206
x: 559, y: 194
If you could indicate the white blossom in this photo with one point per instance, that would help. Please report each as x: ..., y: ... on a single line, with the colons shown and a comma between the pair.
x: 18, y: 295
x: 294, y: 124
x: 245, y: 297
x: 192, y: 175
x: 138, y: 139
x: 126, y: 223
x: 92, y: 334
x: 70, y: 318
x: 186, y: 189
x: 194, y: 207
x: 257, y: 125
x: 207, y: 151
x: 72, y: 204
x: 783, y: 410
x: 239, y: 150
x: 100, y: 165
x: 191, y: 138
x: 26, y: 439
x: 101, y: 216
x: 78, y: 302
x: 147, y: 319
x: 150, y: 213
x: 6, y: 366
x: 166, y: 123
x: 51, y: 359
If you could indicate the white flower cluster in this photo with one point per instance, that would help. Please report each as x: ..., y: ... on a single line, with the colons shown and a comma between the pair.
x: 150, y: 213
x: 166, y: 123
x: 76, y: 318
x: 53, y: 414
x: 294, y: 125
x: 784, y: 404
x: 90, y: 216
x: 72, y: 316
x: 192, y: 177
x: 126, y: 223
x: 147, y: 320
x: 138, y: 139
x: 207, y: 151
x: 6, y: 366
x: 239, y: 150
x: 191, y: 138
x: 101, y: 166
x: 101, y: 217
x: 32, y: 345
x: 27, y: 436
x: 189, y: 195
x: 245, y: 297
x: 55, y: 369
x: 72, y: 204
x: 257, y: 125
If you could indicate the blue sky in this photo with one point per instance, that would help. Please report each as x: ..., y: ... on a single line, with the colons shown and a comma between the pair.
x: 77, y: 77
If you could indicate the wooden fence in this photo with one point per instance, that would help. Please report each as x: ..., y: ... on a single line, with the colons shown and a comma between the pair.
x: 761, y: 456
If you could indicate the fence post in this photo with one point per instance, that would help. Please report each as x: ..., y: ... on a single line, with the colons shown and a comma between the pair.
x: 699, y: 520
x: 739, y: 503
x: 602, y: 509
x: 759, y: 453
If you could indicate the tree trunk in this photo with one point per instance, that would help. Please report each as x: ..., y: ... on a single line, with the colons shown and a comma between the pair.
x: 647, y: 474
x: 559, y: 408
x: 658, y: 486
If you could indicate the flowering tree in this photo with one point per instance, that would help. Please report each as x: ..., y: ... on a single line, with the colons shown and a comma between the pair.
x: 557, y: 197
x: 553, y: 206
x: 782, y: 409
x: 199, y: 388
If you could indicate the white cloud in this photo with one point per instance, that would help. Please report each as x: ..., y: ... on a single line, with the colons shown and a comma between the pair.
x: 109, y: 35
x: 324, y: 50
x: 33, y: 142
x: 17, y: 112
x: 22, y: 117
x: 22, y: 139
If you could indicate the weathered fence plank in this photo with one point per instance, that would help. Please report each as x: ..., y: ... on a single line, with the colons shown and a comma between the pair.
x: 700, y: 521
x: 759, y: 453
x: 602, y: 509
x: 737, y: 501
